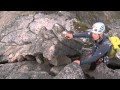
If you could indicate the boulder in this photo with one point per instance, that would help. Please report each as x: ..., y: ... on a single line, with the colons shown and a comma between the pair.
x: 23, y: 70
x: 29, y: 34
x: 71, y: 71
x: 56, y: 69
x: 61, y: 60
x: 103, y: 72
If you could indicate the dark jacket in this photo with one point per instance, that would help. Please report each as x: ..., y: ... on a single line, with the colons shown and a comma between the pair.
x: 100, y: 48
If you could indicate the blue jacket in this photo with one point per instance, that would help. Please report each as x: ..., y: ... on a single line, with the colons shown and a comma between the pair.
x: 100, y: 48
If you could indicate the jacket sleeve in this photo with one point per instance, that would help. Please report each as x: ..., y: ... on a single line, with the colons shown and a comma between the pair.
x: 83, y: 34
x: 100, y: 52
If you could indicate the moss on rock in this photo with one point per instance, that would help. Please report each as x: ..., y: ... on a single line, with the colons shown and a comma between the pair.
x: 80, y: 26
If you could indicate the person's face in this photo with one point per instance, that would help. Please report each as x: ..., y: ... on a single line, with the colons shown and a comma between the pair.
x: 95, y: 36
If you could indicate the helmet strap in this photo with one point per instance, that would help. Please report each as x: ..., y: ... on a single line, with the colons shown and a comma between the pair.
x: 99, y: 36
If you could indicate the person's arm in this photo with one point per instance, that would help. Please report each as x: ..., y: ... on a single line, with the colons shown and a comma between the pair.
x: 100, y: 52
x: 83, y: 34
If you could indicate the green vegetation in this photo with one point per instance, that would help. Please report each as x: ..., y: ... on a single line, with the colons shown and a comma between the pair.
x: 80, y: 26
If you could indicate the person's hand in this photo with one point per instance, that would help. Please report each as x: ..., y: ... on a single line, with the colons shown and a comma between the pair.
x: 77, y: 61
x: 69, y: 36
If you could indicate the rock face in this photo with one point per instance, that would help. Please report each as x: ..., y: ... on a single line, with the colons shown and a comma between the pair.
x: 23, y: 70
x: 28, y: 35
x: 60, y: 61
x: 71, y: 71
x: 103, y: 72
x: 7, y: 17
x: 56, y: 69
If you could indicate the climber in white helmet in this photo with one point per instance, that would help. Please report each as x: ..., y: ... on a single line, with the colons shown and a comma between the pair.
x: 100, y: 48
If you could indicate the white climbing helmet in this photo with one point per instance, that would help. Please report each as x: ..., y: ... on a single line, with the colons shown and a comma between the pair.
x: 98, y: 28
